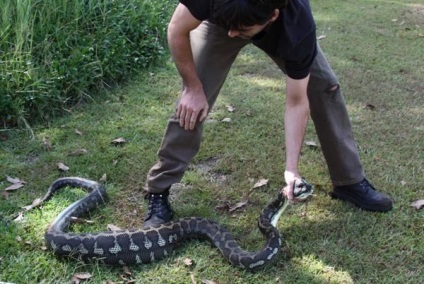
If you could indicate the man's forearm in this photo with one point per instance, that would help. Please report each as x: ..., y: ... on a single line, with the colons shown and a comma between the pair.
x: 183, y: 59
x: 192, y: 105
x: 296, y: 118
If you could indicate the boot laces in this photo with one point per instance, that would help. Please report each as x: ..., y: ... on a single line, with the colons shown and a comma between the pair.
x: 366, y: 185
x: 158, y: 204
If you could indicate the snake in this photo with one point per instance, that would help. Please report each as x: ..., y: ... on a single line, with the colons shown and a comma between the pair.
x: 141, y: 246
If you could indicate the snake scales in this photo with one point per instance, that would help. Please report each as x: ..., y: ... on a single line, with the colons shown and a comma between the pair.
x: 127, y: 247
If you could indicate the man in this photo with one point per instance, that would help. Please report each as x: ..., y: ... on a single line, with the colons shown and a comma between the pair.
x: 205, y: 37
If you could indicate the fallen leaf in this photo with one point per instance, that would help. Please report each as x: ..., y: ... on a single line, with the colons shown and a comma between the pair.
x: 78, y: 132
x: 127, y: 270
x: 81, y: 220
x: 222, y: 178
x: 193, y: 280
x: 223, y: 207
x: 47, y: 145
x: 418, y: 204
x: 19, y: 217
x: 206, y: 281
x: 14, y: 180
x: 62, y: 167
x: 230, y: 108
x: 14, y: 186
x: 78, y: 277
x: 239, y: 205
x: 103, y: 178
x: 118, y: 141
x: 227, y: 119
x: 369, y: 106
x: 311, y: 144
x: 74, y: 219
x: 113, y: 228
x: 188, y: 262
x: 260, y: 183
x: 78, y: 152
x: 5, y: 195
x: 125, y: 278
x: 83, y: 275
x: 321, y: 37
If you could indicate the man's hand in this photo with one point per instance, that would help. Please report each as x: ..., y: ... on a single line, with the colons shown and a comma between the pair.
x: 193, y: 107
x: 290, y: 178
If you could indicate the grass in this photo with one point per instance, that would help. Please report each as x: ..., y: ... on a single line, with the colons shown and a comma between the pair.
x: 55, y: 54
x: 375, y: 48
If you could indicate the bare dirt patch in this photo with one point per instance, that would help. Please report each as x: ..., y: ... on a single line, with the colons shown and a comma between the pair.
x: 415, y: 13
x: 207, y: 168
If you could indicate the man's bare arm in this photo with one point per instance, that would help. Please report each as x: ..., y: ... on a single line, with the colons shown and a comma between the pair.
x: 295, y: 121
x: 193, y: 105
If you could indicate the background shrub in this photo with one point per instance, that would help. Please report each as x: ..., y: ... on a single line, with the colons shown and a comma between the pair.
x: 55, y: 53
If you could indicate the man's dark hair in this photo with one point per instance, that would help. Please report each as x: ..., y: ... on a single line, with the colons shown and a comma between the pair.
x: 235, y: 14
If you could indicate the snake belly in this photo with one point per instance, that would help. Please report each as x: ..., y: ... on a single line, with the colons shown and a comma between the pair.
x: 140, y: 246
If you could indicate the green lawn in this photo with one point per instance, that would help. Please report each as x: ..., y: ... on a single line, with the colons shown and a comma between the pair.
x: 376, y: 48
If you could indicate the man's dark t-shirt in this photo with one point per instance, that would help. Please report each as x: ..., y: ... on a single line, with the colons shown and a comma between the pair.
x: 290, y: 38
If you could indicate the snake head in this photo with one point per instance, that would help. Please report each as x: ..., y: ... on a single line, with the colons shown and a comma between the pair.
x: 302, y: 189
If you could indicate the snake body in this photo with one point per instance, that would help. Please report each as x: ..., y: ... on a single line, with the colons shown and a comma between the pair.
x: 128, y: 247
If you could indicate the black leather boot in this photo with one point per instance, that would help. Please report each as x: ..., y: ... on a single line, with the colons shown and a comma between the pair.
x: 159, y: 209
x: 364, y: 196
